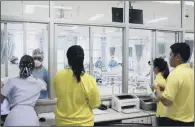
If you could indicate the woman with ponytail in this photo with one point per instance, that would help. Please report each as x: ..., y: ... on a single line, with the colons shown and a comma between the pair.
x: 161, y: 71
x: 22, y: 93
x: 77, y: 93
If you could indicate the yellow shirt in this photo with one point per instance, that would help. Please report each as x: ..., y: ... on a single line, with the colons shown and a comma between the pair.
x: 180, y: 90
x: 75, y: 101
x: 160, y: 112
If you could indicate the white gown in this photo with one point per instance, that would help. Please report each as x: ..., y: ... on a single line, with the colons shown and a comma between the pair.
x: 5, y: 108
x: 22, y: 95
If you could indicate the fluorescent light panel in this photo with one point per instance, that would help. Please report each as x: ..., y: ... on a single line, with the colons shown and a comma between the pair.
x: 97, y: 16
x: 157, y: 20
x: 30, y: 8
x: 190, y: 3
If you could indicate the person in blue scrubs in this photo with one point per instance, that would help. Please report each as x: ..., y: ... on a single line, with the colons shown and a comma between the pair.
x: 113, y: 63
x: 40, y: 71
x: 99, y: 63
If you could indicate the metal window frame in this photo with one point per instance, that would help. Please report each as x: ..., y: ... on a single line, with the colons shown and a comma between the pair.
x: 126, y: 26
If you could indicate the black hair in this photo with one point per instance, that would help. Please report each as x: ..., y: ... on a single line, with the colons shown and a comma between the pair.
x: 162, y: 66
x: 181, y: 49
x: 149, y: 63
x: 26, y: 66
x: 75, y: 56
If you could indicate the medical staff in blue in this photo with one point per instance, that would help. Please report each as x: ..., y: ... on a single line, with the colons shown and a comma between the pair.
x: 40, y: 71
x: 113, y: 63
x: 99, y: 64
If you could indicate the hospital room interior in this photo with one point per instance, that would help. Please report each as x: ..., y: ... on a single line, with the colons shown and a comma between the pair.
x: 120, y: 40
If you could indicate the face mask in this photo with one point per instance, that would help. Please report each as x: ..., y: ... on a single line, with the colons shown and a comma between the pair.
x: 37, y: 63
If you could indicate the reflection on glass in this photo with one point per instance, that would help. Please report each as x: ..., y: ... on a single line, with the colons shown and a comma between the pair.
x: 11, y: 8
x: 190, y: 41
x: 139, y: 54
x: 2, y: 51
x: 107, y: 59
x: 189, y: 15
x: 79, y: 11
x: 37, y: 37
x: 164, y: 41
x: 154, y: 13
x: 15, y: 44
x: 67, y: 36
x: 36, y: 10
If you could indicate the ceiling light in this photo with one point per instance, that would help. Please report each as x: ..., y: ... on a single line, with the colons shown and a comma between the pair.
x: 109, y: 31
x: 61, y: 7
x: 157, y: 20
x: 168, y: 2
x: 97, y: 16
x: 190, y: 3
x: 47, y: 6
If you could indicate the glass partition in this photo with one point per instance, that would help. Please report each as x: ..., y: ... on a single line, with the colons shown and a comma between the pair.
x: 86, y: 11
x: 11, y: 8
x: 189, y: 39
x: 37, y: 37
x: 27, y: 9
x: 189, y: 15
x: 66, y: 36
x: 107, y: 59
x: 15, y: 47
x: 3, y: 49
x: 163, y: 42
x: 36, y: 10
x: 140, y: 50
x: 154, y: 13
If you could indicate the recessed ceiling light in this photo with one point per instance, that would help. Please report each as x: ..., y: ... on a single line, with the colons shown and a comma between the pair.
x: 97, y: 16
x: 157, y: 20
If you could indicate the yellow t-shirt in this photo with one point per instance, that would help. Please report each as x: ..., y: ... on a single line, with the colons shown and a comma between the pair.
x: 180, y: 90
x: 160, y: 112
x: 75, y: 101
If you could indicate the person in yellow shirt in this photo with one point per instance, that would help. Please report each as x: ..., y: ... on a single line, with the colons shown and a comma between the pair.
x: 77, y: 93
x: 178, y: 95
x: 161, y: 71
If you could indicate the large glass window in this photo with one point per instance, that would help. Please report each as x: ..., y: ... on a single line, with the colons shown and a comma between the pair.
x: 36, y: 10
x: 189, y: 15
x: 107, y: 59
x: 163, y: 42
x: 11, y: 8
x: 140, y: 50
x: 154, y: 13
x: 67, y: 36
x: 15, y: 47
x: 37, y: 37
x: 86, y: 11
x: 28, y: 9
x: 189, y: 39
x: 3, y: 49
